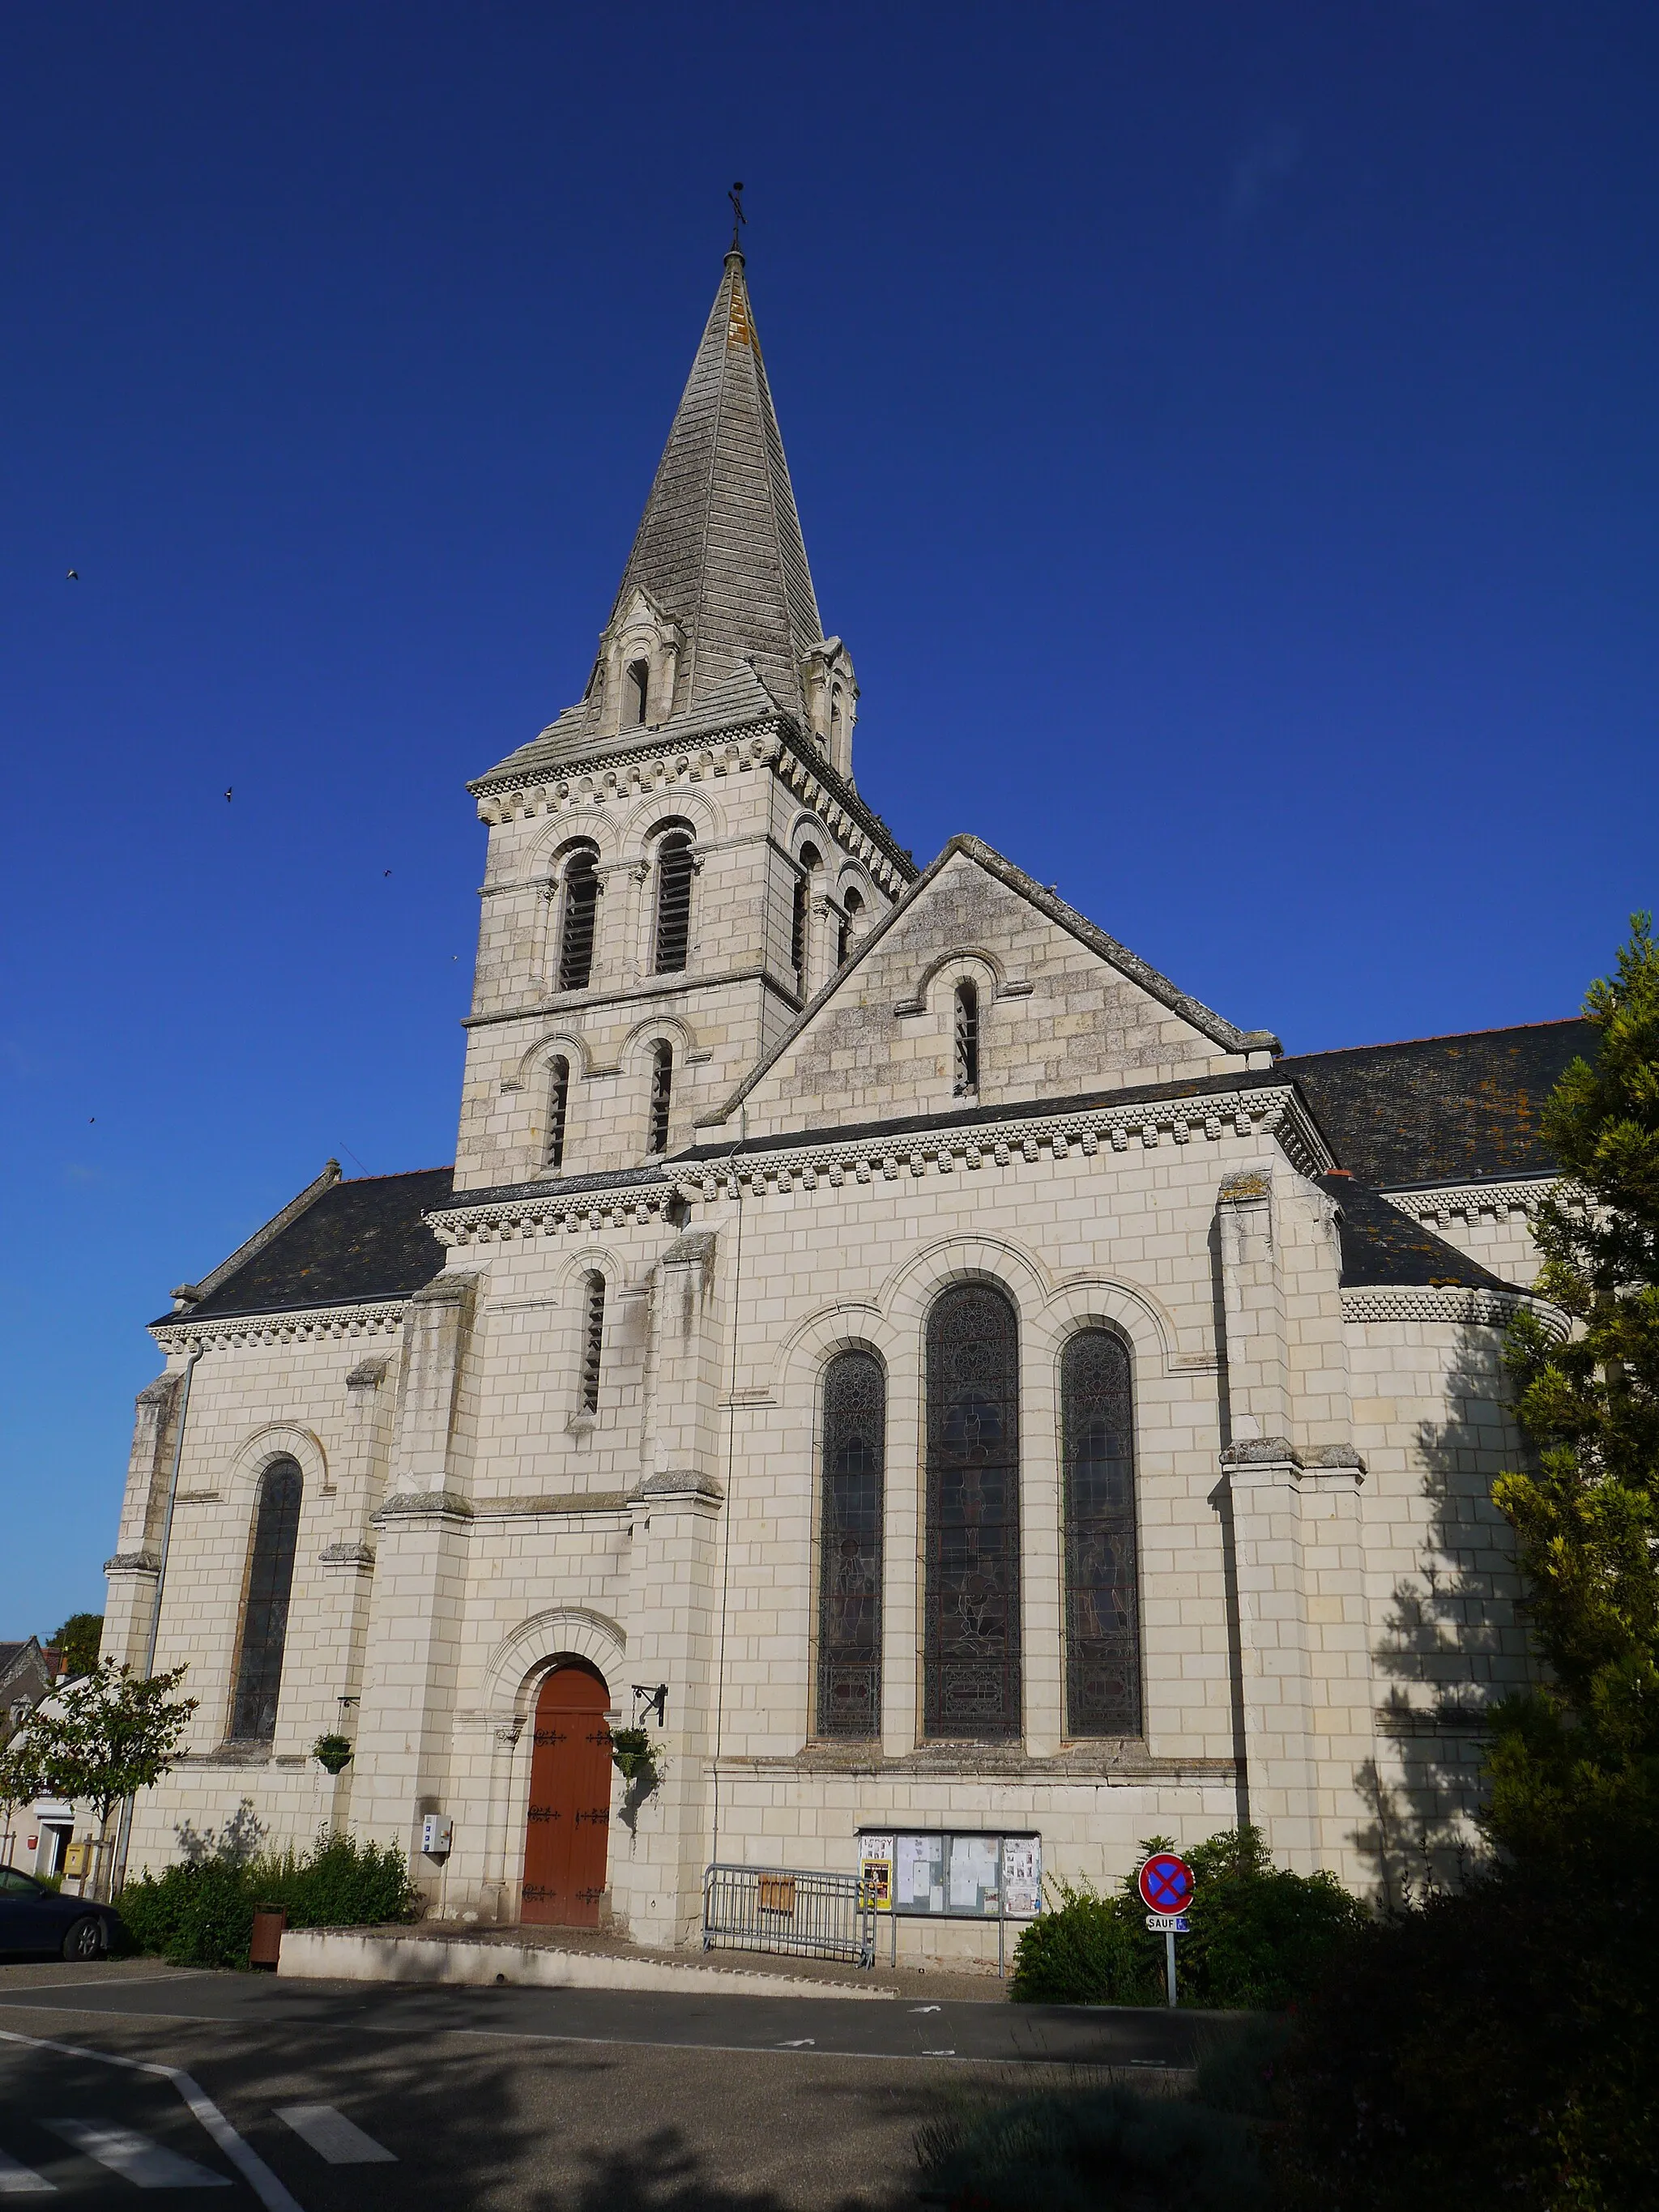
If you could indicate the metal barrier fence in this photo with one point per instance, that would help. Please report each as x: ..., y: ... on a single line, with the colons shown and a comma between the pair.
x: 815, y: 1916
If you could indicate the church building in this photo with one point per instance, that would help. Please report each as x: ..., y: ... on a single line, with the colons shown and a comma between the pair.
x: 878, y: 1331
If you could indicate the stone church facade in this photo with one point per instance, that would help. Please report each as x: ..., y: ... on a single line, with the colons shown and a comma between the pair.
x: 977, y: 1386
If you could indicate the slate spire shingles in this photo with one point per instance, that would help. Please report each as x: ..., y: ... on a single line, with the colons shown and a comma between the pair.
x: 719, y: 546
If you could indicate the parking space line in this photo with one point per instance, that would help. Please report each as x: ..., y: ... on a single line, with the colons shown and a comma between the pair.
x: 17, y: 2180
x: 242, y: 2155
x: 332, y: 2136
x: 135, y: 2158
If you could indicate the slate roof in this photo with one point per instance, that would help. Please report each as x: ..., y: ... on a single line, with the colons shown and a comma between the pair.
x: 357, y: 1241
x: 1381, y: 1246
x: 1440, y: 1109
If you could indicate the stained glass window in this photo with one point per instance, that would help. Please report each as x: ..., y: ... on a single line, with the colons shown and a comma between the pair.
x: 265, y: 1614
x: 849, y: 1596
x: 1103, y: 1597
x: 971, y: 1654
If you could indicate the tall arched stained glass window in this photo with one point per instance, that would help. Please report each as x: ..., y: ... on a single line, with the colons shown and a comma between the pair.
x: 971, y: 1649
x: 849, y: 1591
x: 264, y: 1611
x: 1103, y: 1595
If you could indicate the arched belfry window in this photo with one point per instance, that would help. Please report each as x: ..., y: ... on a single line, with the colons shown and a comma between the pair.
x: 662, y: 1098
x: 579, y: 912
x: 593, y: 1339
x: 637, y: 695
x: 971, y: 1676
x: 810, y: 861
x: 1103, y: 1592
x: 673, y: 928
x: 850, y: 1578
x: 852, y: 907
x: 558, y: 1109
x: 967, y: 1039
x: 265, y: 1608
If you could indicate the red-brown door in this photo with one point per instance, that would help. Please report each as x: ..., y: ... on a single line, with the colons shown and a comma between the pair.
x: 568, y: 1835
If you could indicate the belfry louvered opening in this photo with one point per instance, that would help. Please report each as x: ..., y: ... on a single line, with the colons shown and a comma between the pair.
x: 662, y: 1098
x: 852, y: 907
x: 581, y: 900
x: 673, y: 931
x: 593, y: 1339
x: 558, y: 1107
x: 810, y: 861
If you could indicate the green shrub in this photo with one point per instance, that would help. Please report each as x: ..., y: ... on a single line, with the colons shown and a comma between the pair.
x: 201, y: 1915
x: 1087, y: 2150
x: 1259, y: 1935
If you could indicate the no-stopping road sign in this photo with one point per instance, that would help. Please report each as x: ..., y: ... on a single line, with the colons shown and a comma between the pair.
x: 1165, y: 1883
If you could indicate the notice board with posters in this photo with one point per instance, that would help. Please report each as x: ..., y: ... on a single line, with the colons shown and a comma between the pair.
x: 952, y: 1873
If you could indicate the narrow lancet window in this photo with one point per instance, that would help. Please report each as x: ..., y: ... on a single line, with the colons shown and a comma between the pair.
x: 638, y: 694
x: 662, y: 1094
x: 558, y: 1104
x: 1102, y: 1596
x: 852, y: 906
x: 967, y: 1039
x: 593, y: 1339
x: 673, y: 904
x: 849, y: 1592
x: 582, y: 899
x: 971, y: 1657
x: 810, y: 861
x: 265, y: 1609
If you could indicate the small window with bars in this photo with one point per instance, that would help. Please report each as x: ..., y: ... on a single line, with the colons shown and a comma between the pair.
x: 581, y: 911
x: 673, y: 933
x: 593, y: 1339
x: 662, y: 1098
x: 967, y: 1039
x: 558, y: 1106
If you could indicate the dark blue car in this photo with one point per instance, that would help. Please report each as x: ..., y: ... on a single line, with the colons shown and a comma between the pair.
x: 35, y: 1918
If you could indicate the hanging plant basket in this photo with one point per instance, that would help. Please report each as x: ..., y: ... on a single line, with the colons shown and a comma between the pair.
x: 633, y: 1754
x: 332, y: 1752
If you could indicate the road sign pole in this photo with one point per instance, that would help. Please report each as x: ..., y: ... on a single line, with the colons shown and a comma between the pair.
x: 1168, y: 1962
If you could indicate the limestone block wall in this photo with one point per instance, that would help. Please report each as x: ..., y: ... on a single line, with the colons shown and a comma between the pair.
x: 1491, y: 1225
x: 1057, y: 1020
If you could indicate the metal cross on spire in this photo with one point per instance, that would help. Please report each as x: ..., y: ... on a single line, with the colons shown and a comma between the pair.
x: 738, y: 218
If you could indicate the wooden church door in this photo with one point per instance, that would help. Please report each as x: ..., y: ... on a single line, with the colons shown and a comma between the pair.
x: 567, y: 1841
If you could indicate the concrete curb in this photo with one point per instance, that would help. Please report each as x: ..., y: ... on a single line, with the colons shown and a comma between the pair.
x: 330, y: 1955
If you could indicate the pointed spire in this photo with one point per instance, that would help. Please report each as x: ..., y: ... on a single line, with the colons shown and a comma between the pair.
x: 719, y: 550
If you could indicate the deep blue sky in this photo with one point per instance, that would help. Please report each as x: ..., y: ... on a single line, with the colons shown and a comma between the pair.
x: 1224, y: 433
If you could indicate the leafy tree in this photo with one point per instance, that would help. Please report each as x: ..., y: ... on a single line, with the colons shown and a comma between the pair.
x: 105, y: 1737
x: 1586, y: 1750
x: 77, y: 1642
x: 19, y: 1784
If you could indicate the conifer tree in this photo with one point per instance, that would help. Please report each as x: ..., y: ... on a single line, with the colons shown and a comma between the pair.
x: 1587, y: 1517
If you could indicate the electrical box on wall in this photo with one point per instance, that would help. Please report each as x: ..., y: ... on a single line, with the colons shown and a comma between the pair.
x: 437, y: 1829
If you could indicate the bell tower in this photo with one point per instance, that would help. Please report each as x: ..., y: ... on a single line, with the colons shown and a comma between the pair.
x: 681, y: 860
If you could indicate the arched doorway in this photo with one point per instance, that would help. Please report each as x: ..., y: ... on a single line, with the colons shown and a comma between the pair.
x: 568, y: 1835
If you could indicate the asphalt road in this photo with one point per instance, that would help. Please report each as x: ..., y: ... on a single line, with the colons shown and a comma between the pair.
x: 351, y: 2097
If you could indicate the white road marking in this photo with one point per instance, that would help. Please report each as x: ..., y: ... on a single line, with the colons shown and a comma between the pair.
x: 147, y: 2164
x: 939, y: 2054
x: 332, y: 2136
x: 242, y: 2155
x: 924, y: 2007
x: 805, y: 2044
x: 17, y: 2180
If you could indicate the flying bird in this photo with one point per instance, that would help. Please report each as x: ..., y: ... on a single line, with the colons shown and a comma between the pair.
x: 386, y: 871
x: 73, y: 577
x: 230, y: 787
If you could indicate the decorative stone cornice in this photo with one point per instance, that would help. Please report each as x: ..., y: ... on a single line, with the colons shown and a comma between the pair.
x: 133, y: 1563
x: 1458, y: 1307
x: 553, y: 1212
x: 1299, y: 1459
x: 634, y: 772
x: 379, y: 1318
x: 1448, y: 1201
